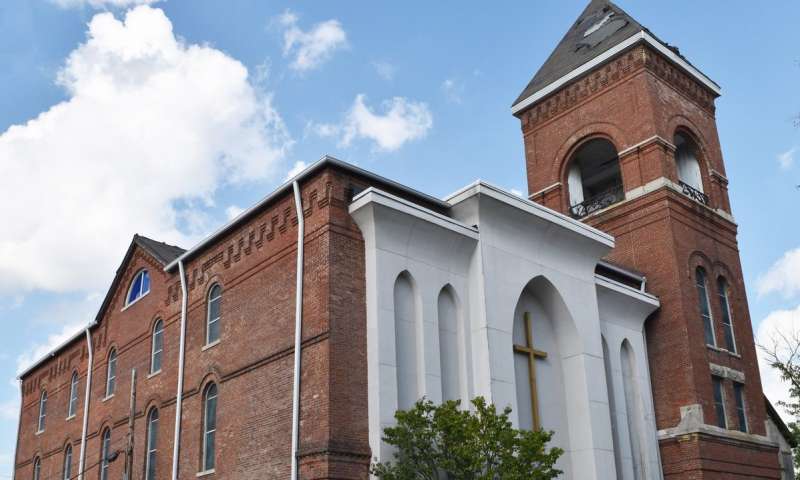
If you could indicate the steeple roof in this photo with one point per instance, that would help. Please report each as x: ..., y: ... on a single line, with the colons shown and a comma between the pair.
x: 601, y: 27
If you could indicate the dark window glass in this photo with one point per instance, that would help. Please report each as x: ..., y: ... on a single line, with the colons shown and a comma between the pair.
x: 139, y: 287
x: 705, y: 310
x: 67, y: 463
x: 158, y: 347
x: 212, y: 323
x: 209, y: 426
x: 719, y: 402
x: 111, y: 373
x: 73, y: 395
x: 725, y: 308
x: 152, y: 436
x: 105, y: 451
x: 37, y: 469
x: 741, y: 415
x: 42, y: 412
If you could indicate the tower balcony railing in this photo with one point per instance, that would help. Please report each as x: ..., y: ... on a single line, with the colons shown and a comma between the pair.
x: 694, y: 193
x: 598, y: 202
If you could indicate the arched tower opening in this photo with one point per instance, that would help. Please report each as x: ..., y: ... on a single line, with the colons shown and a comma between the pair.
x: 594, y: 177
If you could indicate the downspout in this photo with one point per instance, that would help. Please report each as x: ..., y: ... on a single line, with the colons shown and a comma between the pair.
x: 16, y: 445
x: 176, y: 444
x: 89, y: 348
x: 298, y: 329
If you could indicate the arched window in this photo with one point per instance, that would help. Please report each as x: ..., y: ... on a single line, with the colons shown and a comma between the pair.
x: 213, y: 314
x: 686, y: 162
x: 705, y: 308
x: 140, y: 286
x: 37, y: 468
x: 111, y: 373
x: 105, y: 453
x: 152, y: 437
x: 594, y: 178
x: 157, y: 347
x: 42, y: 412
x: 725, y: 307
x: 67, y: 470
x: 72, y: 408
x: 209, y: 426
x: 406, y: 328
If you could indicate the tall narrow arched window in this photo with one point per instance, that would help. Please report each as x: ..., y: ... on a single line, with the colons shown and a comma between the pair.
x: 72, y: 408
x: 594, y: 178
x: 213, y: 314
x: 105, y: 453
x: 407, y: 327
x: 686, y: 162
x: 37, y: 468
x: 111, y: 373
x: 633, y: 408
x: 67, y: 470
x: 209, y: 427
x: 725, y: 307
x: 452, y: 355
x: 42, y: 412
x: 157, y: 347
x: 705, y: 309
x: 140, y: 286
x: 152, y: 438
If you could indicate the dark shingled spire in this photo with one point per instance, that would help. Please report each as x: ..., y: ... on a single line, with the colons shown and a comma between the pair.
x: 600, y: 27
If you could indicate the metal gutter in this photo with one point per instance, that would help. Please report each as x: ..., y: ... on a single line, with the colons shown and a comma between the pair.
x: 324, y: 161
x: 176, y: 443
x: 86, y: 395
x: 298, y: 328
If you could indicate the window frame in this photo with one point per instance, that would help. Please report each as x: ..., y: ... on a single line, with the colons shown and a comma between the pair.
x: 105, y: 451
x: 723, y: 295
x: 37, y: 468
x: 718, y: 389
x: 41, y: 419
x: 741, y: 406
x: 157, y: 332
x: 209, y: 320
x: 111, y: 379
x: 151, y: 445
x: 704, y: 301
x: 72, y: 403
x: 205, y: 465
x: 66, y: 472
x: 143, y: 289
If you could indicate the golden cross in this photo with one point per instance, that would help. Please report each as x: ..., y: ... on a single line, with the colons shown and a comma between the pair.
x: 532, y: 354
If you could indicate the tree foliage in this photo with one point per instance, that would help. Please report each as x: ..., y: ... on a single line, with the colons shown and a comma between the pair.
x: 784, y: 356
x: 434, y: 442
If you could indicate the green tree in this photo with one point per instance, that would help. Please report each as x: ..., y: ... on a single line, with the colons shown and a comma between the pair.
x: 783, y: 354
x: 444, y: 441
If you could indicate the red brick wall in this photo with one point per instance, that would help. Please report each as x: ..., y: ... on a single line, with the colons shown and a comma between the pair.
x: 252, y: 363
x: 629, y: 101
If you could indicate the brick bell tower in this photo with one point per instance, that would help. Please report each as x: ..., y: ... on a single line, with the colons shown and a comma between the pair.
x: 620, y: 132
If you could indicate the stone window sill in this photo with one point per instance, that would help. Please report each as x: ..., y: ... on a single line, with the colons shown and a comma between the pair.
x: 723, y: 350
x: 153, y: 374
x: 206, y: 347
x: 70, y: 417
x: 107, y: 398
x: 205, y: 473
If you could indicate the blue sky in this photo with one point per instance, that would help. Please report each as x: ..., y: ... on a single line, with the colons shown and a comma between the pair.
x: 191, y: 110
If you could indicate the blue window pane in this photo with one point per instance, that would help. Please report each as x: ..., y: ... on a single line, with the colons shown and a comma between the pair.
x: 209, y: 457
x: 145, y: 282
x: 136, y: 289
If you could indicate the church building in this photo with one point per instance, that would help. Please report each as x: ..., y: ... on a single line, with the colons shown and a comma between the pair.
x: 608, y: 306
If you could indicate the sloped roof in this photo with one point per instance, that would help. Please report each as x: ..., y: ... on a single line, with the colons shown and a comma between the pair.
x: 600, y: 27
x: 161, y: 251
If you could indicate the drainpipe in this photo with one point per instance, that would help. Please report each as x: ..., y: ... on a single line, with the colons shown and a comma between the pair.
x: 298, y: 329
x: 86, y: 404
x: 16, y: 445
x: 176, y: 444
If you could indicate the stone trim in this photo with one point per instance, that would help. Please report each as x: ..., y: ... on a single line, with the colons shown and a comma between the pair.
x: 692, y: 423
x: 655, y: 139
x: 726, y: 372
x: 544, y: 190
x: 719, y: 177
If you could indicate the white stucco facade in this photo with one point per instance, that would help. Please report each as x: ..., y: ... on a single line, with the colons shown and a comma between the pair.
x: 446, y: 295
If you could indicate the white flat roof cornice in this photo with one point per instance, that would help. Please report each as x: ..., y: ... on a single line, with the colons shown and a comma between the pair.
x: 641, y: 36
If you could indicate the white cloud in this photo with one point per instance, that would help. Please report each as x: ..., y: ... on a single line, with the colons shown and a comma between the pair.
x: 102, y: 3
x: 233, y: 211
x: 298, y: 167
x: 517, y: 192
x: 780, y: 323
x: 384, y: 69
x: 151, y: 128
x: 402, y: 121
x: 38, y: 351
x: 453, y: 90
x: 9, y: 410
x: 783, y: 276
x: 311, y: 48
x: 786, y: 159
